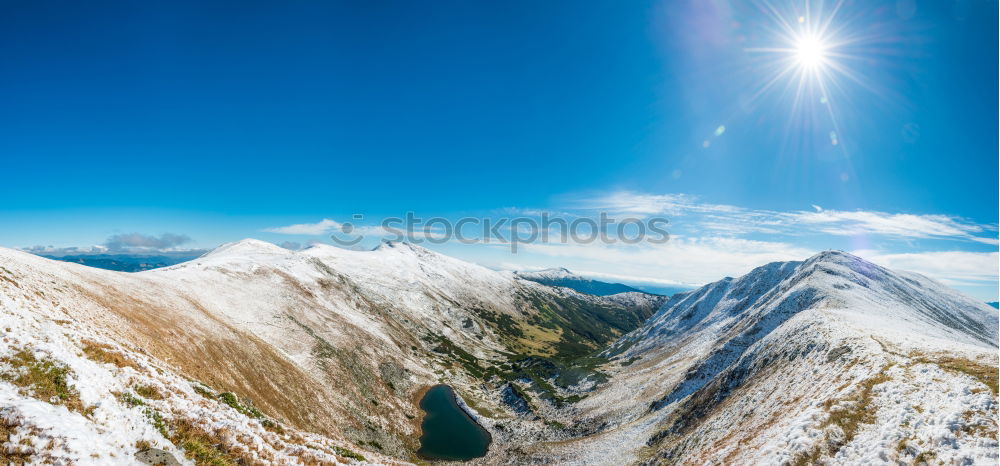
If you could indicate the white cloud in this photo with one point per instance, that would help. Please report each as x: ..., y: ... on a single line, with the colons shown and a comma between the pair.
x: 950, y: 267
x: 651, y: 204
x: 322, y: 227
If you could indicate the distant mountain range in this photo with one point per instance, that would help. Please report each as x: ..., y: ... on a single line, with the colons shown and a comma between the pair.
x: 125, y: 262
x: 565, y: 278
x: 257, y: 354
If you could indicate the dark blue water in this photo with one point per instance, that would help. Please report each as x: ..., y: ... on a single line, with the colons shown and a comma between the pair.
x: 448, y: 432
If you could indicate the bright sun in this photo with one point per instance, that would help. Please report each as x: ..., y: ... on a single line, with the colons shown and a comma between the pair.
x: 810, y: 51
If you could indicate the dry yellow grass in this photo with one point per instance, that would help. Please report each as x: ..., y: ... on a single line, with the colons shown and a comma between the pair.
x: 222, y: 356
x: 207, y: 448
x: 850, y: 413
x: 985, y: 373
x: 104, y: 353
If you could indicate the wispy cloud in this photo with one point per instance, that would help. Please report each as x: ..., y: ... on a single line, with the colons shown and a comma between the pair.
x: 650, y: 204
x: 728, y: 219
x: 851, y: 223
x: 312, y: 229
x: 950, y: 267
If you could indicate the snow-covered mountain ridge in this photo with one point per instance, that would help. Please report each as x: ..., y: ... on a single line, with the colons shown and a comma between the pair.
x: 831, y: 359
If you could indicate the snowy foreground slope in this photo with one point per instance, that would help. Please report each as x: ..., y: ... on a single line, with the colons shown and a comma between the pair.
x: 235, y: 356
x: 254, y: 354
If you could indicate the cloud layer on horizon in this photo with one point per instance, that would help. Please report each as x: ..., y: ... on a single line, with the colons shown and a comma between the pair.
x: 709, y: 241
x: 125, y: 243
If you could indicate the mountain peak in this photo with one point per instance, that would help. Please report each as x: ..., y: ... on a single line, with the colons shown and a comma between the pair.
x: 550, y: 273
x: 835, y: 255
x: 829, y: 262
x: 402, y: 246
x: 875, y: 298
x: 247, y: 246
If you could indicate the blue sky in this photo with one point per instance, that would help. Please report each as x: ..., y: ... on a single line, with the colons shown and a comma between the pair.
x: 215, y: 122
